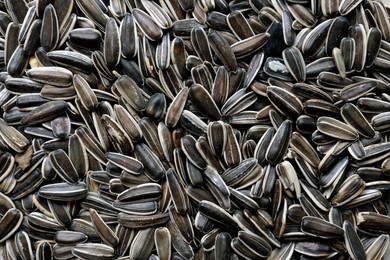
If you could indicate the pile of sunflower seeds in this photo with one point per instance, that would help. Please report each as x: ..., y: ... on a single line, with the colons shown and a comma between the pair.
x: 194, y: 129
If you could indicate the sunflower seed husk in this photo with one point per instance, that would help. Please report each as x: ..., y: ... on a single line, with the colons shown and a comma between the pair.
x: 95, y: 250
x: 320, y: 228
x: 352, y: 241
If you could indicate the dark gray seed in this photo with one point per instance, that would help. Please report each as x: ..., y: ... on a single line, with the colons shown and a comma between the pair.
x: 136, y: 221
x: 9, y: 223
x: 63, y: 166
x: 128, y: 122
x: 178, y: 195
x: 17, y: 62
x: 316, y: 196
x: 203, y: 147
x: 295, y: 63
x: 285, y: 252
x: 243, y: 250
x: 127, y: 163
x: 63, y: 191
x: 65, y: 237
x: 308, y: 91
x: 331, y: 126
x: 118, y: 137
x: 216, y: 213
x: 183, y: 224
x: 17, y: 10
x: 238, y: 102
x: 279, y: 143
x: 316, y: 249
x: 337, y: 31
x: 263, y: 144
x: 158, y: 14
x: 348, y: 190
x: 188, y: 144
x: 288, y: 33
x: 178, y: 243
x: 378, y: 248
x: 11, y: 40
x: 26, y: 186
x: 146, y: 24
x: 346, y: 6
x: 309, y: 208
x: 44, y: 251
x: 217, y: 137
x: 93, y: 251
x: 223, y: 50
x: 217, y: 186
x: 352, y: 115
x: 93, y: 11
x: 373, y: 45
x: 91, y: 144
x: 56, y: 76
x: 383, y: 23
x: 232, y: 154
x: 317, y: 108
x: 128, y: 36
x: 246, y: 170
x: 357, y: 90
x: 275, y: 67
x: 348, y: 50
x: 358, y: 33
x: 241, y: 199
x: 162, y: 240
x: 166, y: 141
x: 201, y: 44
x: 203, y: 102
x: 254, y: 67
x: 60, y: 212
x: 222, y: 245
x: 320, y: 228
x: 163, y: 54
x: 61, y: 126
x: 302, y: 146
x: 352, y: 241
x: 239, y: 25
x: 315, y: 39
x: 72, y: 60
x: 314, y: 68
x: 23, y: 85
x: 130, y: 91
x: 302, y: 14
x: 104, y: 231
x: 257, y: 243
x: 50, y: 30
x: 179, y: 56
x: 288, y: 178
x: 142, y: 244
x: 250, y: 45
x: 153, y: 167
x: 112, y: 45
x: 261, y: 228
x: 150, y: 133
x: 45, y: 112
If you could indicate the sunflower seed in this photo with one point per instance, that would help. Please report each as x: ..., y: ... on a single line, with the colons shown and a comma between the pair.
x: 352, y: 241
x: 93, y: 250
x: 329, y: 125
x: 50, y: 31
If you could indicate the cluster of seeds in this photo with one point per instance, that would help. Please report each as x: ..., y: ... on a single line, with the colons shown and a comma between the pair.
x: 194, y: 129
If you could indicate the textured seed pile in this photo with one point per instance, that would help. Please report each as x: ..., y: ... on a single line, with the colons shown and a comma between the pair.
x: 194, y: 129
